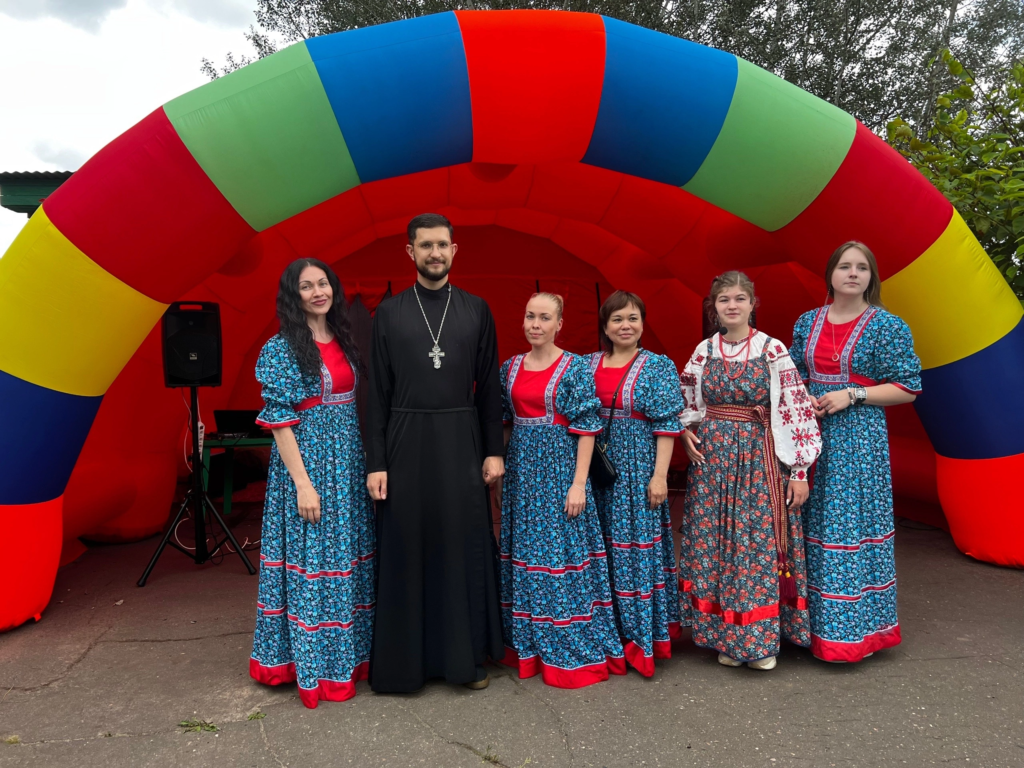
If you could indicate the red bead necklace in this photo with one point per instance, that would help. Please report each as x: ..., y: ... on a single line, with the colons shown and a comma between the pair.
x: 741, y: 347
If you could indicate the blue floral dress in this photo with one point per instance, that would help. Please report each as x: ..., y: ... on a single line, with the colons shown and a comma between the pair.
x: 848, y: 520
x: 314, y: 615
x: 742, y: 548
x: 556, y: 602
x: 645, y: 583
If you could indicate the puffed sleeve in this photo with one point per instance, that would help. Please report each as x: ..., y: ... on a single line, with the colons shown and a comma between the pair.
x: 689, y: 381
x: 897, y: 362
x: 576, y: 398
x: 664, y: 401
x: 798, y: 351
x: 279, y: 374
x: 796, y: 433
x: 506, y: 396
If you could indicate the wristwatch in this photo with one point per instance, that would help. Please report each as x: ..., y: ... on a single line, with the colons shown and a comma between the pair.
x: 860, y: 394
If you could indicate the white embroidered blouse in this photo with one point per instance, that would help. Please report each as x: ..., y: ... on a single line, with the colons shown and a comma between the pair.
x: 796, y: 433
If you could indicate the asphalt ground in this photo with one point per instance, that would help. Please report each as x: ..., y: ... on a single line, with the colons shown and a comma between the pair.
x: 108, y: 675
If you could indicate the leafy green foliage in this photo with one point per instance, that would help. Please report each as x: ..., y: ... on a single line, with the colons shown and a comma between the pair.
x: 865, y: 56
x: 974, y: 154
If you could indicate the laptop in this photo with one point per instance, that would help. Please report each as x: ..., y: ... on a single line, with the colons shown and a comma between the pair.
x: 232, y: 422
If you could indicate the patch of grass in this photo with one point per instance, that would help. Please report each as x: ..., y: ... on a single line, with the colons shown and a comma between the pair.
x: 12, y: 740
x: 193, y: 725
x: 256, y: 716
x: 490, y: 757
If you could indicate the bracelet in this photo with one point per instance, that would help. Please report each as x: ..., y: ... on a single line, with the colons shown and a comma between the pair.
x: 577, y: 485
x: 852, y: 396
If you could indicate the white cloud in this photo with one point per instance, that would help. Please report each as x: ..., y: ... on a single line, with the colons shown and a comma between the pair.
x: 229, y: 13
x: 74, y: 91
x: 84, y: 14
x: 64, y: 158
x: 91, y: 14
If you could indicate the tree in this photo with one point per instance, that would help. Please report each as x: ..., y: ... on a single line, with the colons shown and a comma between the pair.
x: 974, y: 154
x: 867, y: 57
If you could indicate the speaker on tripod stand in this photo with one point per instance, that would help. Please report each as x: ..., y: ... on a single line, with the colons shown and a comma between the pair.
x: 192, y: 358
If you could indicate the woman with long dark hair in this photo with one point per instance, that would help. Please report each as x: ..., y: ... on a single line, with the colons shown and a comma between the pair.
x: 639, y: 392
x: 748, y: 425
x: 857, y: 359
x: 314, y: 616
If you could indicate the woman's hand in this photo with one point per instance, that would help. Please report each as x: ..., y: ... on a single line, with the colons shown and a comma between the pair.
x: 657, y: 491
x: 575, y: 500
x: 690, y: 443
x: 309, y: 503
x: 830, y: 403
x: 796, y: 494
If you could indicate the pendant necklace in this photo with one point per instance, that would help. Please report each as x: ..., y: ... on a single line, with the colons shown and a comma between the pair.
x: 436, y: 352
x: 725, y: 357
x: 836, y: 350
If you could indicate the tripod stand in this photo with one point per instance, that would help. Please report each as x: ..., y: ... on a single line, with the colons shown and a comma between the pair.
x: 200, y: 502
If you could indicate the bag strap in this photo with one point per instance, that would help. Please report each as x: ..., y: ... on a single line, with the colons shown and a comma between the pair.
x: 611, y: 411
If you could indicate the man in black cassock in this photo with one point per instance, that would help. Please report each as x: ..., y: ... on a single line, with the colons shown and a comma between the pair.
x: 434, y: 444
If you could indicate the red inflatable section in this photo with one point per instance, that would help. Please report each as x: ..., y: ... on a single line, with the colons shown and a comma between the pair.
x: 564, y: 227
x: 26, y: 596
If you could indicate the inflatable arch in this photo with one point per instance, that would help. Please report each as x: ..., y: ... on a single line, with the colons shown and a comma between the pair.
x: 569, y: 149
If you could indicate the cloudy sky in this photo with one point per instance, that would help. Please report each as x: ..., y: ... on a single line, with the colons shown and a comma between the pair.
x: 77, y: 73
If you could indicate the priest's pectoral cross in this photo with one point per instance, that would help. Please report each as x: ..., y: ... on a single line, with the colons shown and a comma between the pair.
x: 436, y: 354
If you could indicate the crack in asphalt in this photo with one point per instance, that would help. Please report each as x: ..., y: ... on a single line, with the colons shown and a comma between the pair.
x: 485, y: 756
x: 100, y: 641
x: 270, y: 749
x: 97, y: 737
x: 67, y: 671
x: 562, y: 730
x: 180, y: 639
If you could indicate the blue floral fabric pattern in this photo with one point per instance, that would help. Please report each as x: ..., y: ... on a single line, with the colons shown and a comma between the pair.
x: 728, y: 546
x: 556, y: 601
x: 645, y: 582
x: 314, y: 614
x: 848, y: 519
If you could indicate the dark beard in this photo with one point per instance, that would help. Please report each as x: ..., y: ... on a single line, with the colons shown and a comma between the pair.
x: 430, y: 276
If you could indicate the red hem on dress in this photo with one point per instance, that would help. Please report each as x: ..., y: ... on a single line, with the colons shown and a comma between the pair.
x: 584, y: 432
x: 279, y: 424
x: 326, y: 690
x: 557, y: 677
x: 829, y: 650
x: 637, y: 660
x: 743, y: 618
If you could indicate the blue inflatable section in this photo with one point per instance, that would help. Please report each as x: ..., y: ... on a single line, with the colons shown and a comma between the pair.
x: 651, y: 124
x: 970, y: 431
x: 400, y: 92
x: 51, y: 427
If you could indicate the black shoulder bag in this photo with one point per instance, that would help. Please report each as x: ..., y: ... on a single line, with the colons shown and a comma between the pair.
x: 602, y: 472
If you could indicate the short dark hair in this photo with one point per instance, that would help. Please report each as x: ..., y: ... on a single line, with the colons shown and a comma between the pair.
x: 618, y: 300
x: 427, y: 221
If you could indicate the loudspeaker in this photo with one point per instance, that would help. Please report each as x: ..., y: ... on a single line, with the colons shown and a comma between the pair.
x: 191, y: 342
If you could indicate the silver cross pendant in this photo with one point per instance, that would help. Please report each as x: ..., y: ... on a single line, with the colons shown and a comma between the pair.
x: 436, y: 354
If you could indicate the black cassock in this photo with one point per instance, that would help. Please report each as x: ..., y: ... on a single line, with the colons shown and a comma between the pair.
x: 430, y: 428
